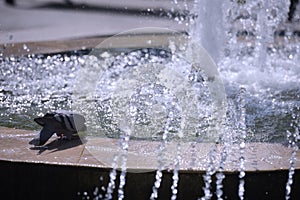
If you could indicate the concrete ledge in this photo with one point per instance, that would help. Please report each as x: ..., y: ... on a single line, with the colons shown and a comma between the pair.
x: 141, y: 155
x: 57, y: 46
x: 14, y: 147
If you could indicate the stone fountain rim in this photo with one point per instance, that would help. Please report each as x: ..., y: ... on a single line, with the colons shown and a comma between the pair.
x: 131, y: 170
x: 75, y: 44
x: 14, y: 147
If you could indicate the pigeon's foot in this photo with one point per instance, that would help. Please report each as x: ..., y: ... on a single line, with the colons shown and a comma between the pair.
x: 63, y: 137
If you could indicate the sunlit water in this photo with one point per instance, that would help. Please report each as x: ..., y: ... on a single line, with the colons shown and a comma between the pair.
x: 31, y: 86
x: 266, y: 66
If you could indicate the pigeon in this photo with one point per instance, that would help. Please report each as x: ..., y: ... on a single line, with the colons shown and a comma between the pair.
x: 64, y: 123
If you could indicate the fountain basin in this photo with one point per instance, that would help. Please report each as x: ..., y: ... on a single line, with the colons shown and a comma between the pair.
x: 70, y: 170
x: 77, y: 165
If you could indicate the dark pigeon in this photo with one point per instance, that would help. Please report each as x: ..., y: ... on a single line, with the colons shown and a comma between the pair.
x: 64, y: 124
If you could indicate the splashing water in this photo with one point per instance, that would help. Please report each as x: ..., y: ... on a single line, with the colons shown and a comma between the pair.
x: 166, y: 98
x: 253, y: 57
x: 250, y: 53
x: 32, y: 85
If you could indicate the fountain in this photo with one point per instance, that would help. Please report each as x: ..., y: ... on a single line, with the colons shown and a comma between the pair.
x: 170, y: 119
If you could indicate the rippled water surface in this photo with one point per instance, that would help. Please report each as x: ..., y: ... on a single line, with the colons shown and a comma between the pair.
x: 33, y: 85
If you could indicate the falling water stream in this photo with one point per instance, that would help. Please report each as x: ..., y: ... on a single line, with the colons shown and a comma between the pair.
x: 243, y: 134
x: 292, y: 139
x: 160, y: 94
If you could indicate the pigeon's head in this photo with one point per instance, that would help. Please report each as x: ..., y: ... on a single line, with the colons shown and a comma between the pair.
x: 35, y: 141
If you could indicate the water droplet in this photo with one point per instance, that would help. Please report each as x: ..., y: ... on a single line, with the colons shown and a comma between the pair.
x: 96, y: 191
x: 242, y: 145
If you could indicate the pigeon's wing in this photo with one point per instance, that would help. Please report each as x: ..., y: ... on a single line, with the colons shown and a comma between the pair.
x: 65, y: 121
x: 42, y: 137
x: 71, y: 122
x: 62, y: 125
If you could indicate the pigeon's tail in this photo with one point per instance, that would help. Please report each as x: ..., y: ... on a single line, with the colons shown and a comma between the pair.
x: 42, y: 137
x: 79, y: 121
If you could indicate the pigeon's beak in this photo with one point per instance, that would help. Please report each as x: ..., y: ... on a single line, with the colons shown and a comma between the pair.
x: 35, y: 142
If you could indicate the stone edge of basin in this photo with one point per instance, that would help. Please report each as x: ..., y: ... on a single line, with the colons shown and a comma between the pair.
x: 85, y: 43
x: 14, y: 147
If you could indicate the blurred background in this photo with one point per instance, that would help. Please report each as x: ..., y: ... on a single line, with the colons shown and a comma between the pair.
x: 44, y: 20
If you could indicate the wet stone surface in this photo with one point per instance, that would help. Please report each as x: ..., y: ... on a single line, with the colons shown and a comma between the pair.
x: 15, y: 147
x: 141, y: 155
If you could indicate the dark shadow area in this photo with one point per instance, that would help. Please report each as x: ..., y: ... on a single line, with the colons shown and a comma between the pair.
x: 59, y: 145
x: 292, y: 9
x: 10, y: 2
x: 39, y: 181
